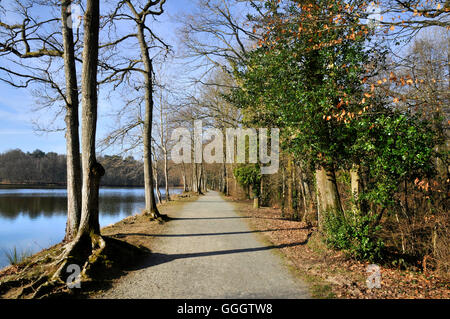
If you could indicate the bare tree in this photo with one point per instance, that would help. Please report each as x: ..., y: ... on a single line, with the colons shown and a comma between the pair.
x: 72, y: 135
x: 155, y: 174
x: 31, y: 41
x: 138, y: 14
x: 406, y: 18
x: 216, y: 34
x: 164, y: 141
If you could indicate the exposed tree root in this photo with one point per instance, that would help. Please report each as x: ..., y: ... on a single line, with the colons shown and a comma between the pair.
x: 98, y: 258
x: 155, y: 215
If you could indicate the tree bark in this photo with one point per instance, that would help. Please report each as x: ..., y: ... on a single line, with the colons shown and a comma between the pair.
x: 185, y: 186
x: 290, y: 185
x: 283, y: 191
x: 155, y: 176
x: 194, y: 177
x: 150, y: 202
x: 355, y: 185
x: 166, y: 175
x: 199, y: 179
x: 72, y: 136
x: 92, y: 171
x: 224, y: 185
x: 163, y: 141
x: 262, y: 197
x: 302, y: 190
x: 327, y: 193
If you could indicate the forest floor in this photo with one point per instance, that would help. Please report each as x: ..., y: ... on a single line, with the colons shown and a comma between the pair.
x: 332, y: 274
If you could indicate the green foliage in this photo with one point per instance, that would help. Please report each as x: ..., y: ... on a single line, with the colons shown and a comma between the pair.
x: 355, y: 234
x: 248, y: 175
x: 313, y: 82
x: 396, y: 148
x: 300, y: 81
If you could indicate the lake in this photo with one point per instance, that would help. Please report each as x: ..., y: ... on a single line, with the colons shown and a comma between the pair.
x: 35, y: 219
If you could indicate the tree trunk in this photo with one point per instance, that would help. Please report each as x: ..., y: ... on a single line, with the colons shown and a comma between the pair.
x: 155, y: 175
x: 166, y: 175
x: 164, y: 149
x: 327, y: 193
x: 73, y: 159
x: 204, y: 180
x: 227, y: 186
x: 185, y: 186
x: 88, y: 243
x: 92, y: 171
x: 199, y: 179
x: 224, y: 189
x: 262, y: 197
x: 302, y: 188
x: 255, y: 203
x: 150, y: 202
x: 290, y: 185
x: 283, y: 191
x: 355, y: 185
x: 194, y: 178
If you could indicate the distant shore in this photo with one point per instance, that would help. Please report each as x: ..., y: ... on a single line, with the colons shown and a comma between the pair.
x: 54, y: 185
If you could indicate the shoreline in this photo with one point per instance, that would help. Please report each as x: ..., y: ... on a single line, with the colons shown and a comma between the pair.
x: 62, y: 186
x: 33, y: 245
x: 16, y: 278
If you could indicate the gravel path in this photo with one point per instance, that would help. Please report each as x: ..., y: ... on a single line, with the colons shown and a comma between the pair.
x: 209, y: 252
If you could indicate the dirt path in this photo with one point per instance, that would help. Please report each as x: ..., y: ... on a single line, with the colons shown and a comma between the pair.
x: 209, y: 251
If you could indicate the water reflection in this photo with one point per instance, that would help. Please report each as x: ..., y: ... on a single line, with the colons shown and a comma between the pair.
x: 35, y: 203
x: 33, y: 219
x: 12, y: 206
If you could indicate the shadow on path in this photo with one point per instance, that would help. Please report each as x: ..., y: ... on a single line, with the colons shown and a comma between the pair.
x: 158, y: 258
x: 204, y: 218
x: 121, y: 235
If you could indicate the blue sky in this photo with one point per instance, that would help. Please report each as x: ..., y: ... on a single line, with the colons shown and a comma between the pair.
x: 16, y: 105
x: 16, y: 118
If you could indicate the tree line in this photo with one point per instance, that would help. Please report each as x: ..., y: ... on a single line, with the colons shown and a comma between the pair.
x: 38, y: 167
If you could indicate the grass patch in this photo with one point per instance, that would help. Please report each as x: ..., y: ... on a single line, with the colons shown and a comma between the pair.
x: 16, y: 257
x: 318, y: 288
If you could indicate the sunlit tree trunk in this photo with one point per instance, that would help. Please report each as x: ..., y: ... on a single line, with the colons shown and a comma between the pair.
x: 92, y: 170
x: 355, y: 185
x: 166, y: 174
x: 73, y: 161
x: 302, y: 192
x: 155, y: 178
x: 150, y: 201
x: 327, y: 194
x: 290, y: 185
x: 185, y: 186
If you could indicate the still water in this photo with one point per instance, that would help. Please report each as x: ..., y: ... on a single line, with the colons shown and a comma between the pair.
x: 34, y: 219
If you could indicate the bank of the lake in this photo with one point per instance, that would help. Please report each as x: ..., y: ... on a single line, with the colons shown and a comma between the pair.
x: 126, y: 250
x: 32, y: 219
